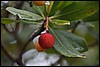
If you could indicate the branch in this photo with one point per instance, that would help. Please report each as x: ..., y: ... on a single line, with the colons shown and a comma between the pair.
x: 19, y: 62
x: 15, y: 34
x: 33, y: 36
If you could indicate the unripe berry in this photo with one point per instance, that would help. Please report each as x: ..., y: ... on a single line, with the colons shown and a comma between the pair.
x: 38, y: 47
x: 39, y: 3
x: 46, y: 40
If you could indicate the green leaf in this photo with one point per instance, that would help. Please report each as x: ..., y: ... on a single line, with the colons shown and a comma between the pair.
x: 23, y: 14
x: 40, y: 10
x: 55, y: 26
x: 48, y: 7
x: 61, y: 22
x: 94, y: 17
x: 68, y: 44
x: 51, y: 50
x: 79, y: 10
x: 62, y: 27
x: 30, y: 21
x: 58, y: 6
x: 7, y: 20
x: 63, y: 4
x: 91, y: 60
x: 54, y: 8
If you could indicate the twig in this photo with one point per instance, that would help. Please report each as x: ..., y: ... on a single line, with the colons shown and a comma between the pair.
x: 15, y: 34
x: 46, y: 24
x: 30, y: 39
x: 19, y: 62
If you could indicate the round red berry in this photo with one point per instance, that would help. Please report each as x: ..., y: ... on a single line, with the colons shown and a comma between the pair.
x: 46, y: 40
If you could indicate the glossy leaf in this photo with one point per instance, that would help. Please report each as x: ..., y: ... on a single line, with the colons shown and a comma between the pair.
x: 23, y: 14
x: 30, y: 21
x: 41, y: 10
x: 55, y: 26
x: 7, y: 20
x: 54, y: 8
x: 68, y: 44
x: 63, y: 4
x: 62, y: 27
x: 79, y: 10
x: 61, y: 22
x: 91, y: 60
x: 94, y: 17
x: 58, y: 6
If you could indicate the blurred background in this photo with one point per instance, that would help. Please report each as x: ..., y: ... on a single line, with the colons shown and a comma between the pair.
x: 89, y: 30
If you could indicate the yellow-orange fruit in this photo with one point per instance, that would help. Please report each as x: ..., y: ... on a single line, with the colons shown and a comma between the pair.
x: 39, y: 3
x: 38, y: 48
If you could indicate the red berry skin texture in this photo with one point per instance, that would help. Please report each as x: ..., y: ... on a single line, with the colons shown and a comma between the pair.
x: 46, y: 40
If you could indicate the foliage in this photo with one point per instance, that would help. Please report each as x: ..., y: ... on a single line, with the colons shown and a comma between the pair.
x: 69, y: 21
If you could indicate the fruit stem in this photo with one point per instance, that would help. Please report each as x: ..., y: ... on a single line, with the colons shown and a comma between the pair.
x: 46, y: 24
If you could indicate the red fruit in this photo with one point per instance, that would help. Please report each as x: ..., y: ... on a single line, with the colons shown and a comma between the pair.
x: 46, y: 40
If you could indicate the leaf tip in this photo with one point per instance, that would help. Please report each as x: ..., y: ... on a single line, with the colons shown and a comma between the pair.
x: 81, y: 56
